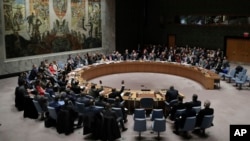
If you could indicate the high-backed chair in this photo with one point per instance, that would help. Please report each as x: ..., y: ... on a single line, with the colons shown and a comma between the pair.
x: 159, y: 125
x: 140, y: 125
x: 179, y: 112
x: 230, y: 75
x: 206, y: 123
x: 52, y: 112
x: 242, y: 81
x: 37, y: 106
x: 147, y: 104
x: 156, y: 113
x: 224, y: 72
x: 196, y: 109
x: 80, y: 108
x: 169, y: 106
x: 189, y: 125
x: 139, y: 113
x: 118, y: 112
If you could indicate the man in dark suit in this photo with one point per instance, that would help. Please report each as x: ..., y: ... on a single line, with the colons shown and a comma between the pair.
x: 195, y: 101
x: 118, y: 104
x: 109, y: 112
x: 95, y: 92
x: 179, y: 122
x: 21, y: 93
x: 176, y: 106
x: 101, y: 101
x: 171, y: 94
x: 83, y: 99
x: 116, y: 93
x: 206, y: 111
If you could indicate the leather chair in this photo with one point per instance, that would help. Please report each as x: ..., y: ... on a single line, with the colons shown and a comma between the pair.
x: 37, y: 106
x: 140, y: 125
x: 52, y: 112
x: 147, y: 104
x: 189, y: 125
x: 159, y: 125
x: 207, y: 122
x: 139, y: 113
x: 80, y: 108
x: 196, y: 109
x: 156, y: 113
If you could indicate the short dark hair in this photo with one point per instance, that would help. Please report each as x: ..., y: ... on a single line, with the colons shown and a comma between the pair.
x: 195, y: 97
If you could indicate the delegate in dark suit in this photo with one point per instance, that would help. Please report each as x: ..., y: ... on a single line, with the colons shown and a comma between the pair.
x: 179, y: 122
x: 176, y: 106
x: 116, y: 93
x: 206, y: 111
x: 171, y: 94
x: 95, y: 92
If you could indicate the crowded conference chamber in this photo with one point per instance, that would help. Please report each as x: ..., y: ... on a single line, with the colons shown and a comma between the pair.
x: 131, y: 70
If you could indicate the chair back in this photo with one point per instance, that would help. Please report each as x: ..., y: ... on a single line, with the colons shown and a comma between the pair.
x: 189, y: 124
x: 52, y: 112
x: 232, y: 72
x: 111, y: 100
x: 179, y: 112
x: 118, y: 112
x: 37, y: 106
x: 244, y: 78
x: 159, y: 125
x: 47, y: 95
x: 207, y: 121
x: 140, y: 124
x: 80, y: 107
x: 147, y: 103
x: 139, y: 113
x: 99, y: 108
x: 157, y: 113
x: 196, y: 109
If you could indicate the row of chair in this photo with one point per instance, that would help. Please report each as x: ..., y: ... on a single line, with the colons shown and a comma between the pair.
x: 159, y: 121
x: 239, y: 79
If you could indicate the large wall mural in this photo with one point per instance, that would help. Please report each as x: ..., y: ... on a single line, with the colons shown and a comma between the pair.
x: 35, y: 27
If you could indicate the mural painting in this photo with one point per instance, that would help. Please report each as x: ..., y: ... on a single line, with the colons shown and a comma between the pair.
x: 50, y: 26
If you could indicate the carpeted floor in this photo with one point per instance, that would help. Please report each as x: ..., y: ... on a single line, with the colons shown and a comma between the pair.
x: 230, y: 104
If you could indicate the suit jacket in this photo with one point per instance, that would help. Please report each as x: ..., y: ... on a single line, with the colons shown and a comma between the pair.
x: 195, y: 103
x: 202, y: 113
x: 171, y: 95
x: 20, y: 94
x: 117, y: 93
x: 179, y: 105
x: 95, y: 92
